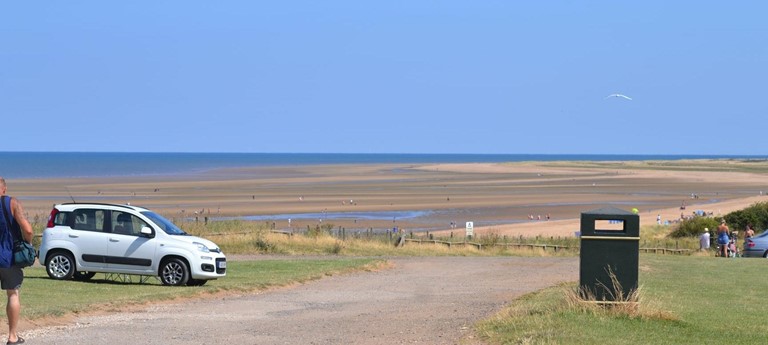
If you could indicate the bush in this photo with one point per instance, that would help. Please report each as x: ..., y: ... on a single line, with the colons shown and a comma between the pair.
x: 757, y: 215
x: 695, y: 226
x: 265, y: 246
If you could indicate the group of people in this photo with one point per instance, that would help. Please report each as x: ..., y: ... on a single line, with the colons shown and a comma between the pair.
x: 538, y: 217
x: 726, y: 240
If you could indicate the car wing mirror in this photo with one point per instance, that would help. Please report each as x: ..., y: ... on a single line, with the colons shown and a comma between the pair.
x: 147, y: 231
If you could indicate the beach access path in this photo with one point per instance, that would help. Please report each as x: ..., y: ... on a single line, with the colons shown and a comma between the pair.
x: 425, y: 300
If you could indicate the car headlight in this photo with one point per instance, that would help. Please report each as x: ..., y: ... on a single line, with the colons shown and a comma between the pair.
x: 201, y: 247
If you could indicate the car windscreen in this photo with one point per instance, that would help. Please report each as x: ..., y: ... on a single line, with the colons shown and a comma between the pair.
x: 165, y: 224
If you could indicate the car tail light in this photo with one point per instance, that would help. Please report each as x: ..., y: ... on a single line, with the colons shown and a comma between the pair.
x: 54, y: 212
x: 750, y: 244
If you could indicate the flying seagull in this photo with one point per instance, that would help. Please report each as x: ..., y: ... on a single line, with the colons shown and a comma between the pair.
x: 618, y: 95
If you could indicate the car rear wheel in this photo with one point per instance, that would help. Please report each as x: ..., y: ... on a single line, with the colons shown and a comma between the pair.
x: 765, y: 255
x: 174, y: 272
x: 60, y: 266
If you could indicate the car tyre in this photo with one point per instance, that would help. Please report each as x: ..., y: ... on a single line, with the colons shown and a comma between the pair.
x: 83, y: 275
x: 60, y: 265
x: 174, y: 272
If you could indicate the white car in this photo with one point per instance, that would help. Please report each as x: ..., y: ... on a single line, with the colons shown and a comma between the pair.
x: 83, y: 239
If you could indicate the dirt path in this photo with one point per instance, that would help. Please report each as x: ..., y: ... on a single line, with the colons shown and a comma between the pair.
x: 433, y: 300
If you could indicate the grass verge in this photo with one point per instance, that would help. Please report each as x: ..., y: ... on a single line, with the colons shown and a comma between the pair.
x: 683, y: 300
x: 44, y: 297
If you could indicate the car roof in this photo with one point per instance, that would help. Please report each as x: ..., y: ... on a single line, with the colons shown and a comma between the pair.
x: 76, y: 205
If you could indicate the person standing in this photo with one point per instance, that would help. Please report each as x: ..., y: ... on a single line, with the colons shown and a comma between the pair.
x: 723, y: 238
x: 749, y: 232
x: 12, y: 277
x: 704, y: 240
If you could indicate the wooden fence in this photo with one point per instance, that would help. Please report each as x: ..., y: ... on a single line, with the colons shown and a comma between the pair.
x: 544, y: 247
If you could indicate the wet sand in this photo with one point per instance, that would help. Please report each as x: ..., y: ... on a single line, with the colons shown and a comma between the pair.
x: 497, y: 198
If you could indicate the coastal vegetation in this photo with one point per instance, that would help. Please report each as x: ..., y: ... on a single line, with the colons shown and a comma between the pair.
x: 720, y: 309
x: 243, y: 237
x: 553, y: 315
x: 755, y: 215
x: 710, y: 165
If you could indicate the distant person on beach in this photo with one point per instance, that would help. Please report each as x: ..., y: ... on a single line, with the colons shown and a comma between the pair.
x: 12, y: 277
x: 722, y: 238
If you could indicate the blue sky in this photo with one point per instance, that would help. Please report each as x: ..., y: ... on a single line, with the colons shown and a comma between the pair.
x: 385, y: 76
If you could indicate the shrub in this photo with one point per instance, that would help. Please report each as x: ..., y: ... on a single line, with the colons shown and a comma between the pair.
x: 265, y: 246
x: 695, y: 226
x: 757, y: 215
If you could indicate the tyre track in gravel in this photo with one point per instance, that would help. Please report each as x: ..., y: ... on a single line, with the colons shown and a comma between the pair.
x: 427, y: 300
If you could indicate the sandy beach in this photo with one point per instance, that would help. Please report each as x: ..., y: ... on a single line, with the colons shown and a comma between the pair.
x: 498, y: 198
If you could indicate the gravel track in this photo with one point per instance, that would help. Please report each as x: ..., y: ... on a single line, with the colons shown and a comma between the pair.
x: 421, y: 300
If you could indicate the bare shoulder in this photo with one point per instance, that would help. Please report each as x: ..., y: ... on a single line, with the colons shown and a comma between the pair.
x: 16, y: 207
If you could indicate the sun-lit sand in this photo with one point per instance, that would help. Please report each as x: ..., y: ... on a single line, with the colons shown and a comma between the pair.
x: 499, y: 198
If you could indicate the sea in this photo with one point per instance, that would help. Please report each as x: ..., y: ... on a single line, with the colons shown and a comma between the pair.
x: 31, y: 165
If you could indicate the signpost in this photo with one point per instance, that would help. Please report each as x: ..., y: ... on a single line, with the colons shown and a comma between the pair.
x: 470, y: 229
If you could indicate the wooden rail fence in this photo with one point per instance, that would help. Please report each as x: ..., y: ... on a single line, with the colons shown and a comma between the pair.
x: 545, y: 247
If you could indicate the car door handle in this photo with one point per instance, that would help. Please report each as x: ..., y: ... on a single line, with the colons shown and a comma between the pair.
x: 73, y: 236
x: 114, y: 240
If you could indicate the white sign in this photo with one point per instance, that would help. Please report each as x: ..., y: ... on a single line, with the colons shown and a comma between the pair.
x: 470, y: 229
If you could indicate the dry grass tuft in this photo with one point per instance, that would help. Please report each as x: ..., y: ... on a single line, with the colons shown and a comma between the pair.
x: 617, y: 304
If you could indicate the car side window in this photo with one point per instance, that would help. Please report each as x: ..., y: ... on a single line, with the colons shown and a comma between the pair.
x: 126, y: 224
x: 88, y: 220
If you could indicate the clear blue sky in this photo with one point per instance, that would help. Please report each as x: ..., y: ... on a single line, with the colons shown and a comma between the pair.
x: 385, y: 76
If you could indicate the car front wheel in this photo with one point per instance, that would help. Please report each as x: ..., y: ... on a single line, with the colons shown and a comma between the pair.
x: 174, y: 272
x: 60, y: 266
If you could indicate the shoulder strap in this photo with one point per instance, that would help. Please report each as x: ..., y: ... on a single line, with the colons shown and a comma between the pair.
x: 5, y: 211
x: 8, y: 220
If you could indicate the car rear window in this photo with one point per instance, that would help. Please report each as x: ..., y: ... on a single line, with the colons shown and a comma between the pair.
x: 61, y: 218
x: 88, y: 220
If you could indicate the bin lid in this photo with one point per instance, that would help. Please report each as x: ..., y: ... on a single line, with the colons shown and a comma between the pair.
x: 609, y: 211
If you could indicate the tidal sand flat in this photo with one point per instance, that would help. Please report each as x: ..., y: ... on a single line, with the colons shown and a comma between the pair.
x: 521, y: 198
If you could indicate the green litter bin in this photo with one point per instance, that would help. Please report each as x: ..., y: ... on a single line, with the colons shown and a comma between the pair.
x: 610, y: 251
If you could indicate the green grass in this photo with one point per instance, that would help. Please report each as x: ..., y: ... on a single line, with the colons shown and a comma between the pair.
x: 683, y: 300
x: 43, y: 297
x: 759, y: 166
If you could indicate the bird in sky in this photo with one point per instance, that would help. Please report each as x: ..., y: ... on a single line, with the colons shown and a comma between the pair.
x: 618, y: 95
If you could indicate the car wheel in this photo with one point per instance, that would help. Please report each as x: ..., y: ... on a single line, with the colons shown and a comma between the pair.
x: 196, y: 282
x: 83, y: 275
x: 765, y: 255
x: 174, y: 272
x: 60, y: 266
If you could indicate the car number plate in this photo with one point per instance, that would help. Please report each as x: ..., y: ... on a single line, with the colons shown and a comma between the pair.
x: 222, y: 264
